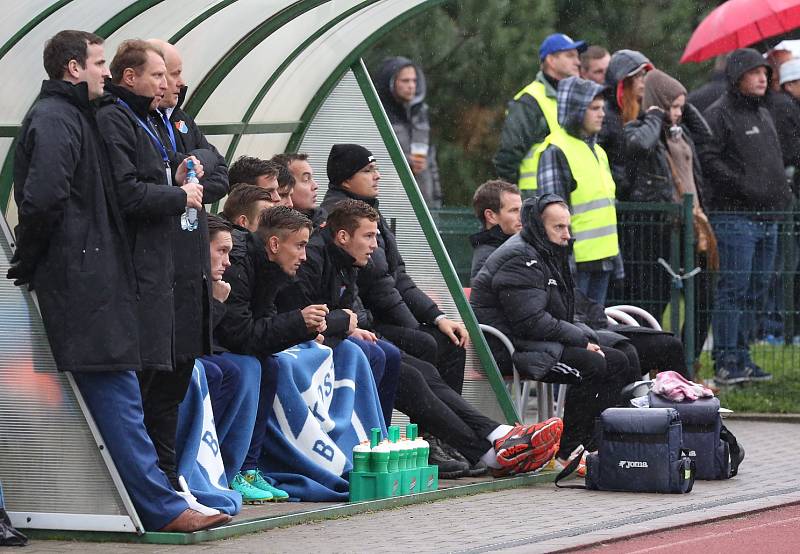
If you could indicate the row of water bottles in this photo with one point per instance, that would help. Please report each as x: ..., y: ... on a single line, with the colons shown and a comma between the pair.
x: 392, y: 466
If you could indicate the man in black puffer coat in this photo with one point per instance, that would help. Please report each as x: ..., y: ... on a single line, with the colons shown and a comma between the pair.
x: 525, y: 290
x: 743, y: 177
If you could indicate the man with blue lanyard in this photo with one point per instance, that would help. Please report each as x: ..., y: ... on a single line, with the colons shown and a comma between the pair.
x: 144, y: 172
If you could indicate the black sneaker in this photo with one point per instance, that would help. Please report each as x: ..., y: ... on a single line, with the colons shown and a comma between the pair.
x: 476, y: 470
x: 755, y: 373
x: 730, y: 373
x: 448, y: 467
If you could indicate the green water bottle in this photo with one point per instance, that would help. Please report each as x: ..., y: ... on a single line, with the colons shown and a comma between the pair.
x: 394, y: 450
x: 423, y: 448
x: 361, y: 456
x: 379, y: 457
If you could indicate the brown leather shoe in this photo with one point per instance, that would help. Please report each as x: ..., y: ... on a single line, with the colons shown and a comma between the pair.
x: 190, y: 521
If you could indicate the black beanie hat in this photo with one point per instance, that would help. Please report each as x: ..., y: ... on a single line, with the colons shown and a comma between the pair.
x: 345, y: 160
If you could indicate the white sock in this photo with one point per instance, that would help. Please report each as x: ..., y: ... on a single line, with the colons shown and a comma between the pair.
x: 490, y: 458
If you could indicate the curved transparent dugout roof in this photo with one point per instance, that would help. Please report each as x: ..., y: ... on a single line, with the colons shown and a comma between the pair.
x: 247, y: 62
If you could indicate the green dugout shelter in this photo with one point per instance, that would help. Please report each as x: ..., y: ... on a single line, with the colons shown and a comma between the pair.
x: 264, y: 76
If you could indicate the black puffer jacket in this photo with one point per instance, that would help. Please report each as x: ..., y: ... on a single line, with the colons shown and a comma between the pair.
x: 192, y: 260
x: 151, y: 208
x: 743, y: 166
x: 71, y: 244
x: 328, y: 276
x: 483, y: 244
x: 649, y: 173
x: 611, y: 136
x: 525, y: 290
x: 251, y: 324
x: 385, y: 288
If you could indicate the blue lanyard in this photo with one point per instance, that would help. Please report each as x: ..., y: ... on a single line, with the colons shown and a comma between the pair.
x: 170, y: 132
x: 146, y: 127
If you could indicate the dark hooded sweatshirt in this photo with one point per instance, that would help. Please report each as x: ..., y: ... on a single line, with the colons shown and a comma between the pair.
x: 743, y: 166
x: 526, y: 291
x: 611, y: 137
x: 411, y: 123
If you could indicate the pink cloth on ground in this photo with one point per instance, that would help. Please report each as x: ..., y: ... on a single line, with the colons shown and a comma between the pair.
x: 674, y: 386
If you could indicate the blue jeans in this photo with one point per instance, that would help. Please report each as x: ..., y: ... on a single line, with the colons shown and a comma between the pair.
x: 384, y: 359
x: 747, y: 253
x: 593, y: 284
x: 115, y: 401
x: 234, y: 386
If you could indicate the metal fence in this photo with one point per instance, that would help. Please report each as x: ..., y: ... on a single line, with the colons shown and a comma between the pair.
x: 770, y: 321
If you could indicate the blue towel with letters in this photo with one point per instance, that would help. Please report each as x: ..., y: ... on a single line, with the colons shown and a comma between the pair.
x: 197, y: 448
x: 325, y: 402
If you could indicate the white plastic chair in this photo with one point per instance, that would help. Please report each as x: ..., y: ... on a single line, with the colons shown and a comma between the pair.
x: 622, y: 315
x: 521, y: 387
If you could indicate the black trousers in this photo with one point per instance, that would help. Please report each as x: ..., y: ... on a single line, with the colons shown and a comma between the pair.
x: 654, y: 352
x: 162, y: 392
x: 428, y: 401
x: 603, y: 378
x: 431, y: 345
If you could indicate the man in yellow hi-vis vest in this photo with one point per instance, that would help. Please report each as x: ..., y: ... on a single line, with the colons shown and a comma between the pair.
x: 531, y: 115
x: 571, y: 164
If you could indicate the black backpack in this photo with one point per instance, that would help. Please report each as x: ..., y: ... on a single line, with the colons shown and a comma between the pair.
x: 716, y: 452
x: 638, y: 451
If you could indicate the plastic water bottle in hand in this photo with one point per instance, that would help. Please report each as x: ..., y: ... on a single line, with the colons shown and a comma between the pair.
x: 189, y: 217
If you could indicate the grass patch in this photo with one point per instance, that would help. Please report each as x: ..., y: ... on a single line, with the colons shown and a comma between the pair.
x: 781, y: 395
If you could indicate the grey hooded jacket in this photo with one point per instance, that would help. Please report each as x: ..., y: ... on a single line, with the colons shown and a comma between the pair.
x: 411, y: 124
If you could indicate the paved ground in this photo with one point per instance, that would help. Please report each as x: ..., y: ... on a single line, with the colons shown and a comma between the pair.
x: 537, y: 519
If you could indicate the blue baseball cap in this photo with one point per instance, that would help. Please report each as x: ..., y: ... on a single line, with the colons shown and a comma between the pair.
x: 558, y: 42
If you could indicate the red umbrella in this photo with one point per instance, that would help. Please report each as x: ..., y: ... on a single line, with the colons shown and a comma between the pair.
x: 739, y: 23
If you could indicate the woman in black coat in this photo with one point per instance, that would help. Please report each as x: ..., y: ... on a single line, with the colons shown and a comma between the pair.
x: 662, y: 166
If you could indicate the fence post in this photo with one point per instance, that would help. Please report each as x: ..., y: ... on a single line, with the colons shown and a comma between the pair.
x: 688, y: 284
x: 675, y: 256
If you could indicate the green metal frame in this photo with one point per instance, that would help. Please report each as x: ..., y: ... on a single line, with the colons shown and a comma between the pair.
x: 183, y: 31
x: 435, y: 241
x: 30, y: 25
x: 124, y: 16
x: 355, y: 54
x: 281, y: 68
x: 688, y: 284
x: 229, y: 61
x: 254, y: 525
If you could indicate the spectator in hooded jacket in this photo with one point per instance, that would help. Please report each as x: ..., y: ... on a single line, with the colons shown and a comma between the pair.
x: 662, y: 166
x: 401, y: 87
x: 572, y: 165
x: 623, y: 93
x: 744, y: 181
x: 525, y: 290
x: 647, y: 349
x: 532, y: 114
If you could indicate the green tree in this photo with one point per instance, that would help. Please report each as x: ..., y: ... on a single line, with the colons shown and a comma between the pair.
x: 477, y: 54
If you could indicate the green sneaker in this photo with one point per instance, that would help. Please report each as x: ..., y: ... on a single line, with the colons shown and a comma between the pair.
x: 254, y: 477
x: 250, y: 494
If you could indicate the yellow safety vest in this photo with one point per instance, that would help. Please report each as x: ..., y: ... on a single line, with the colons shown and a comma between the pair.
x: 594, y: 215
x: 527, y: 169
